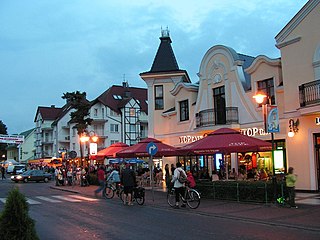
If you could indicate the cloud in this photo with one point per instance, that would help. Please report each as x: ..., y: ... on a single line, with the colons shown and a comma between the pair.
x: 51, y: 47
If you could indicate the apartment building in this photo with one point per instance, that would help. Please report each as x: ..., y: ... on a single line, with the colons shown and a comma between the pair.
x: 119, y: 115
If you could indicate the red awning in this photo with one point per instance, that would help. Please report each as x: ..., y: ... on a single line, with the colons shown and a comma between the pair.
x: 140, y: 149
x: 109, y: 152
x: 225, y: 140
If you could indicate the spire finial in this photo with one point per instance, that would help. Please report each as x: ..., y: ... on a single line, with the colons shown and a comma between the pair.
x: 165, y: 33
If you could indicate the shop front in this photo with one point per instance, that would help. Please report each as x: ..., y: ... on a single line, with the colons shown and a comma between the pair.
x: 246, y: 162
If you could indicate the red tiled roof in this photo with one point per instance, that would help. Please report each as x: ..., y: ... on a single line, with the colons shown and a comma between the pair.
x: 109, y: 98
x: 48, y: 113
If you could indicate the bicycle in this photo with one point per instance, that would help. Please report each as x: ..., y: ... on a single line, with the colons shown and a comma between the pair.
x: 111, y: 189
x: 191, y: 197
x: 138, y: 195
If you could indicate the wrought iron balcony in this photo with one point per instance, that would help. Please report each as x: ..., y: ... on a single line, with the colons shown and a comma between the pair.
x: 309, y: 93
x: 211, y: 117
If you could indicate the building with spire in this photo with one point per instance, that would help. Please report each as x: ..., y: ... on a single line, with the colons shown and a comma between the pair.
x: 181, y: 112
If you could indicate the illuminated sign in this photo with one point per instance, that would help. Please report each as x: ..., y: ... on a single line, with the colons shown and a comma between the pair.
x: 317, y: 120
x: 189, y: 139
x: 253, y: 131
x: 93, y: 148
x: 16, y: 139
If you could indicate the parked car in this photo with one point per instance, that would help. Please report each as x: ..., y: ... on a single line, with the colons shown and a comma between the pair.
x: 21, y: 170
x: 11, y: 169
x: 32, y: 175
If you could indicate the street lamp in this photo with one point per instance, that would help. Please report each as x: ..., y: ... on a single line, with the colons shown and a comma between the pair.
x: 274, y: 127
x: 92, y: 139
x: 260, y: 98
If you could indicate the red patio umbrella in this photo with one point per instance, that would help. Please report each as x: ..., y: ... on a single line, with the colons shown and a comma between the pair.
x: 225, y: 140
x: 140, y: 149
x: 110, y: 152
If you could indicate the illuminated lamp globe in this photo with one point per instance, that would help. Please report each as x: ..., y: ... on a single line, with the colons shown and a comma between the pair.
x: 259, y: 97
x: 290, y: 134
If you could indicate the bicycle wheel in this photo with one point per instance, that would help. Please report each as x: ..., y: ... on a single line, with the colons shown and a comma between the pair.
x: 140, y: 200
x: 171, y: 197
x: 193, y: 199
x: 108, y: 193
x: 121, y: 195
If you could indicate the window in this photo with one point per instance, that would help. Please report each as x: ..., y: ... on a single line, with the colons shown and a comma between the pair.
x: 95, y: 112
x: 132, y: 112
x: 113, y: 141
x: 267, y: 87
x: 102, y: 112
x: 158, y: 97
x: 114, y: 128
x: 116, y: 96
x: 219, y: 99
x: 132, y: 128
x: 184, y: 110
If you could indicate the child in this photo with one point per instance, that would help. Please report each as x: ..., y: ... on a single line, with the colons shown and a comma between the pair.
x: 190, y: 179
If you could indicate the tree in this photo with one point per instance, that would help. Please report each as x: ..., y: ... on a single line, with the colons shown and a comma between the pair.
x: 3, y: 130
x: 79, y: 102
x: 15, y: 222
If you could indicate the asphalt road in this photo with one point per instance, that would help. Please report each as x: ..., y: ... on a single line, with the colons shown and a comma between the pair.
x: 66, y: 215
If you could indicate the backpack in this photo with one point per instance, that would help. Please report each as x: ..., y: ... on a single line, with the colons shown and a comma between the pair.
x: 182, y: 177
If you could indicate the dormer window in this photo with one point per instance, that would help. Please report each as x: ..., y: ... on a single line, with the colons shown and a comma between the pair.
x: 116, y: 96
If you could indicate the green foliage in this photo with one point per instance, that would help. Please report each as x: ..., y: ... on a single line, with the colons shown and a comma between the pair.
x: 79, y: 102
x: 15, y: 223
x: 3, y: 130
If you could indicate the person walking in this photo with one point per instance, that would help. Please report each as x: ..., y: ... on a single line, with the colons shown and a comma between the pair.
x: 167, y: 176
x: 128, y: 180
x: 178, y: 186
x: 291, y: 180
x: 3, y: 170
x: 101, y: 180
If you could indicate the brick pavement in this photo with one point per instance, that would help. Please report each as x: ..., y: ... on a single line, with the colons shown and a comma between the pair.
x: 307, y: 216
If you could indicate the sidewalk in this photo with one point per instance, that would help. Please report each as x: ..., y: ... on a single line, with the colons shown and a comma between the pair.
x: 307, y: 216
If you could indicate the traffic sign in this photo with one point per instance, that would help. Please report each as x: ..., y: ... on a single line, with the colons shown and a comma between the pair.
x: 152, y: 148
x: 72, y: 154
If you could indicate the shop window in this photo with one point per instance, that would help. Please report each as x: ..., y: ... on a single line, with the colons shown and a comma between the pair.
x: 184, y: 110
x: 267, y: 87
x: 158, y: 97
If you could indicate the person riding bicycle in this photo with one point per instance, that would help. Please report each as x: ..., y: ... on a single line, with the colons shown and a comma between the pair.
x: 178, y: 185
x: 114, y: 178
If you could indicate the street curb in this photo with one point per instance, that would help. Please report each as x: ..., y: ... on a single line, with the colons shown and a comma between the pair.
x: 65, y: 190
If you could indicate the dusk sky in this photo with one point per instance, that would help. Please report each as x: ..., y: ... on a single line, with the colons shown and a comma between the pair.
x: 49, y: 47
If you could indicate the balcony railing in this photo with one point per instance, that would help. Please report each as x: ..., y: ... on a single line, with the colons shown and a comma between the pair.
x: 309, y: 93
x: 211, y: 117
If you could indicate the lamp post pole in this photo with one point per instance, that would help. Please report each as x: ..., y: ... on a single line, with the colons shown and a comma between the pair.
x: 83, y: 139
x: 260, y: 99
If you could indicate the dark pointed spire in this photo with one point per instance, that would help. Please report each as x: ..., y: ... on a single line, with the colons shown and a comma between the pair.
x: 165, y: 60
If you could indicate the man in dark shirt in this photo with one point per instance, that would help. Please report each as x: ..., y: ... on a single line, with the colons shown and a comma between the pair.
x: 3, y: 176
x: 128, y: 180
